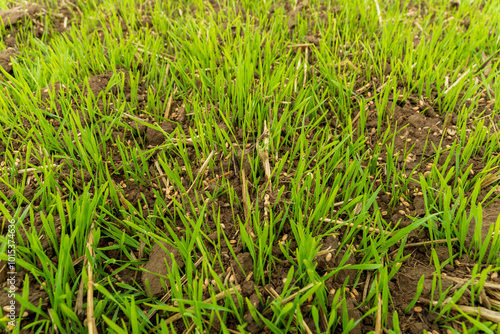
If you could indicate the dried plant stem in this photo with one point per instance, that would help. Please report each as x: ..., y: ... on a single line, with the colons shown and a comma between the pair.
x: 378, y: 319
x: 169, y: 103
x: 300, y: 45
x: 90, y: 286
x: 489, y: 285
x: 459, y: 79
x: 379, y: 14
x: 341, y: 222
x: 190, y: 329
x: 484, y: 313
x: 217, y: 297
x: 424, y: 243
x: 292, y: 296
x: 263, y: 148
x: 141, y: 48
x: 305, y: 66
x: 165, y: 180
x: 366, y: 287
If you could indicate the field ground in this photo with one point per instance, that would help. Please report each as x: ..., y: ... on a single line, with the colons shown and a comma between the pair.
x: 250, y: 167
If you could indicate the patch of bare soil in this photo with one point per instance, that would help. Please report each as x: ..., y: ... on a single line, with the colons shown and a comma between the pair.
x: 6, y: 58
x: 28, y: 18
x: 421, y: 131
x: 491, y: 214
x: 25, y: 17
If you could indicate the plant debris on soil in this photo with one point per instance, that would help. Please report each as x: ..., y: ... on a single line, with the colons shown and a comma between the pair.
x: 249, y: 167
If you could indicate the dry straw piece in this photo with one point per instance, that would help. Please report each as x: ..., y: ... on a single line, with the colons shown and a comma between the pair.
x: 263, y: 148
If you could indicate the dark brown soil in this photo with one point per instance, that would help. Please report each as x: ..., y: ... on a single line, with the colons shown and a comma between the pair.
x: 6, y: 58
x: 29, y: 18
